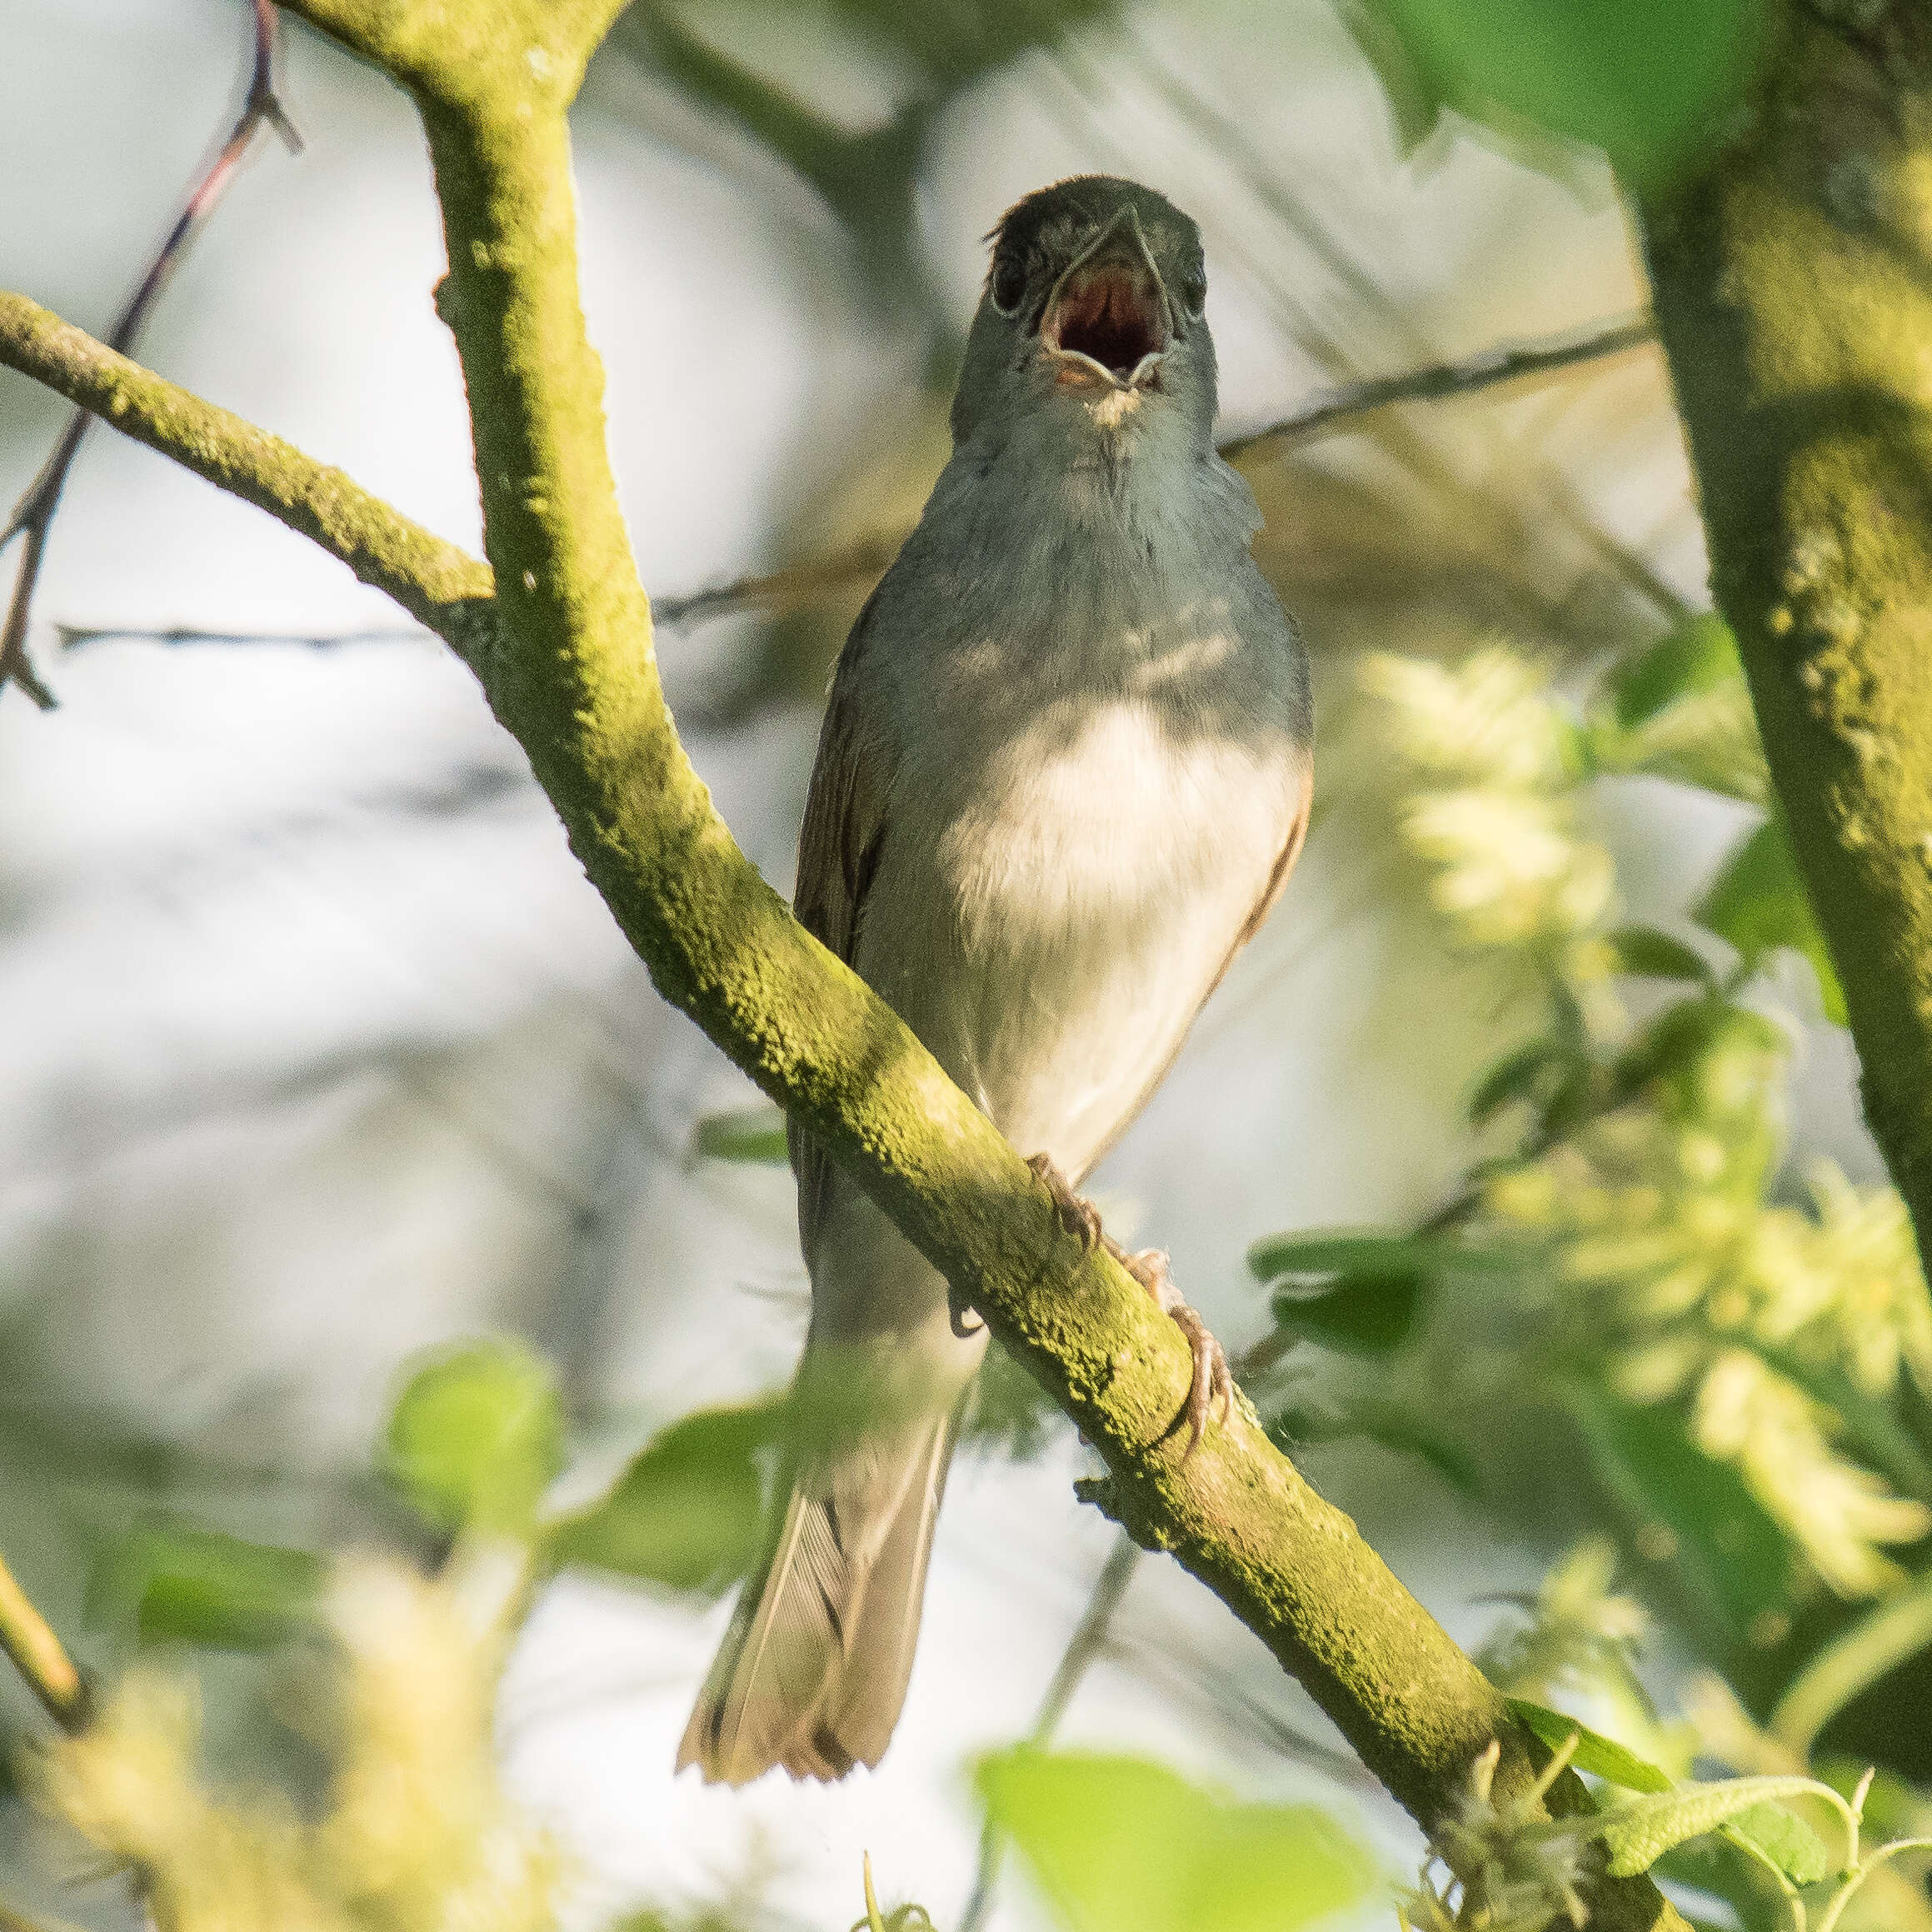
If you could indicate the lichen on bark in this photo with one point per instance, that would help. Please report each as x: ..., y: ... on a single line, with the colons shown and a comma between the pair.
x: 1793, y: 287
x: 556, y: 627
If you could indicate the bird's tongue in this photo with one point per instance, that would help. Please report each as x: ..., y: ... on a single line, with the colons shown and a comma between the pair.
x: 1111, y: 312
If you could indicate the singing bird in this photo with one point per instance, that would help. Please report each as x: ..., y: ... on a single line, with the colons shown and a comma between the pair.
x: 1063, y: 775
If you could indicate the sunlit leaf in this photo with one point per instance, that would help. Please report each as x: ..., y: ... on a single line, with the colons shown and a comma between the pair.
x: 1649, y: 81
x: 1602, y: 1757
x: 685, y: 1512
x: 1119, y: 1844
x: 1699, y: 656
x: 1785, y: 1840
x: 1640, y: 1834
x: 186, y: 1585
x: 752, y: 1134
x: 1758, y: 904
x: 475, y: 1437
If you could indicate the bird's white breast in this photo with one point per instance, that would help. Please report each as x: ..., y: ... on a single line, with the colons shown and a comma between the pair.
x: 1098, y: 810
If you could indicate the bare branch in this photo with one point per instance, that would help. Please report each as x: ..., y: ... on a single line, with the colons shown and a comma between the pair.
x: 1324, y: 415
x: 1508, y: 363
x: 40, y: 1656
x: 33, y: 514
x: 73, y: 636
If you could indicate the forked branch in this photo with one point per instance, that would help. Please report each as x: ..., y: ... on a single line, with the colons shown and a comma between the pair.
x: 562, y: 649
x: 33, y: 515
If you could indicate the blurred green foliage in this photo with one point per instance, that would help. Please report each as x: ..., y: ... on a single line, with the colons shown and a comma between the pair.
x: 1651, y: 82
x: 476, y: 1436
x: 1121, y: 1845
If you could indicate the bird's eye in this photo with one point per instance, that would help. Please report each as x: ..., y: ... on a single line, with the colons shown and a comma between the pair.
x: 1009, y: 283
x: 1194, y: 293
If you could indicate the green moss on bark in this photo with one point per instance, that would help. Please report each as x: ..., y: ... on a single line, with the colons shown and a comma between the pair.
x: 1792, y: 286
x: 563, y: 651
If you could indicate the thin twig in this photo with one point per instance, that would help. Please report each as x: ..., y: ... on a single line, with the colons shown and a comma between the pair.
x: 40, y: 1657
x: 33, y: 514
x: 1469, y: 377
x: 1083, y: 1650
x: 73, y: 636
x: 859, y: 562
x: 1323, y: 415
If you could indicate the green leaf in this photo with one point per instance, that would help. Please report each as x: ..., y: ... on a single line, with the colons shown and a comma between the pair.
x: 1640, y: 1834
x: 1651, y: 82
x: 1758, y: 903
x: 1647, y: 954
x: 1785, y: 1840
x: 1119, y: 1844
x: 475, y: 1437
x: 1389, y: 1425
x: 1361, y: 1315
x: 186, y: 1585
x: 1533, y: 1074
x: 752, y: 1134
x: 685, y: 1513
x: 1698, y: 1516
x: 1602, y: 1757
x: 1697, y: 656
x: 1314, y: 1251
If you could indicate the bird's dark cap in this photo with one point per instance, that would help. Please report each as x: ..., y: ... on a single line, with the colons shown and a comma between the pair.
x: 1053, y: 220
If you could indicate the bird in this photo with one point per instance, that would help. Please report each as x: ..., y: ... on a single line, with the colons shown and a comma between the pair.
x: 1064, y: 771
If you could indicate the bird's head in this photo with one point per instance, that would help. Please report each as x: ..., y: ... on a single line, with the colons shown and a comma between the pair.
x: 1091, y: 319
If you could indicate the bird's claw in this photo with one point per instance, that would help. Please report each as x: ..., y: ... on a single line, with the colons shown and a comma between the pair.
x: 966, y: 1321
x: 1213, y: 1386
x: 1078, y: 1216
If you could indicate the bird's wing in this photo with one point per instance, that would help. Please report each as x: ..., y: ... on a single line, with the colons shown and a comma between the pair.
x: 838, y: 854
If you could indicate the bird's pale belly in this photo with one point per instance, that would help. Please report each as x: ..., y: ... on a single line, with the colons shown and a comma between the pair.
x: 1078, y: 914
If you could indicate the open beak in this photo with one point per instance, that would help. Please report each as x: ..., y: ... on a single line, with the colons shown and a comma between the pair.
x: 1107, y: 316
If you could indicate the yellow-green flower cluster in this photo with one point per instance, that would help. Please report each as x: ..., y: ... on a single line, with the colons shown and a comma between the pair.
x: 1668, y: 1262
x: 1485, y: 787
x: 418, y: 1835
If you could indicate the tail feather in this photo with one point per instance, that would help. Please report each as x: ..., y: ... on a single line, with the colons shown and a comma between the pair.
x: 813, y: 1669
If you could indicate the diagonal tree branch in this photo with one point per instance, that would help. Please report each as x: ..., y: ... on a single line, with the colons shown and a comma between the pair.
x: 32, y: 517
x: 563, y: 652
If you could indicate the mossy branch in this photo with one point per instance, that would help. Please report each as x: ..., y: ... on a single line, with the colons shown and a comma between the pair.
x: 563, y: 652
x: 1793, y: 289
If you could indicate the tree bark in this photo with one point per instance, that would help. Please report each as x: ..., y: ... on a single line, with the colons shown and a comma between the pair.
x: 556, y: 628
x: 1792, y: 286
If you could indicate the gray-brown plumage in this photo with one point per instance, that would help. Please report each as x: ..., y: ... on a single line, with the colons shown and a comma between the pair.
x: 1063, y: 774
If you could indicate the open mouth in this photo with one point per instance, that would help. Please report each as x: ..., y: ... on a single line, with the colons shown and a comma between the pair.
x: 1110, y: 314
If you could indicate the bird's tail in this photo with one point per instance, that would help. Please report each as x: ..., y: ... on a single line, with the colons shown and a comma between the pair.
x: 813, y: 1670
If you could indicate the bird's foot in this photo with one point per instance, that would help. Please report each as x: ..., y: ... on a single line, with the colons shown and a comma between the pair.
x: 1213, y: 1386
x: 966, y: 1321
x: 1078, y: 1214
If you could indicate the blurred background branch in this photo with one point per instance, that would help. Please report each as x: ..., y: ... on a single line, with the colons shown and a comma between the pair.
x: 33, y: 516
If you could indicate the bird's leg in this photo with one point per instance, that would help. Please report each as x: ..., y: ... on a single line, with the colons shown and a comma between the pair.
x: 1213, y: 1384
x: 967, y: 1319
x: 1078, y: 1214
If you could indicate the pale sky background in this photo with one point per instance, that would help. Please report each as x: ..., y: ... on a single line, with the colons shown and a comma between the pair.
x: 317, y: 1037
